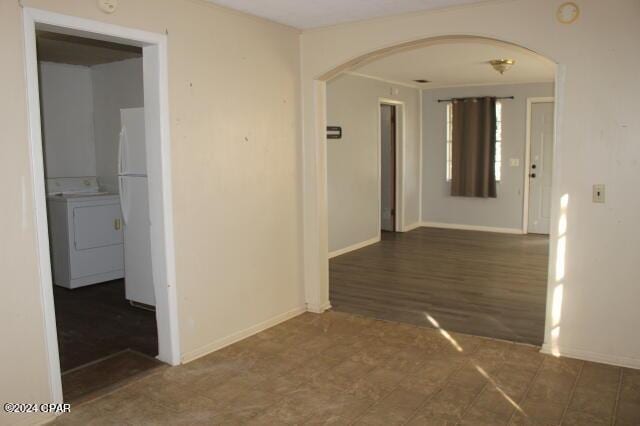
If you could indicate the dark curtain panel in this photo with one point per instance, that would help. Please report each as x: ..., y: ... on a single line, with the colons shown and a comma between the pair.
x: 474, y: 148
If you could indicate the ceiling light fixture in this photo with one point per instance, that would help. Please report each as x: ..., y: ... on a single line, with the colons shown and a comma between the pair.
x: 502, y: 65
x: 422, y: 80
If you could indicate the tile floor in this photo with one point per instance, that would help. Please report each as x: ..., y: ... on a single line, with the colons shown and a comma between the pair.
x: 338, y: 368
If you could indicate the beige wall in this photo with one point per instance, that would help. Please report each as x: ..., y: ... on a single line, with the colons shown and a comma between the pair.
x: 353, y: 162
x: 234, y: 108
x: 597, y: 143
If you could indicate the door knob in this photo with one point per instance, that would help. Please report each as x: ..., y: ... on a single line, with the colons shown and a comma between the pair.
x: 532, y: 175
x: 533, y: 166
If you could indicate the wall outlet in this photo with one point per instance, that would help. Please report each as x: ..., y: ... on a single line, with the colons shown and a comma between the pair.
x: 598, y: 193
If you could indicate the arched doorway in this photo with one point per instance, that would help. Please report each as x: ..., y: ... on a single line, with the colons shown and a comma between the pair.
x: 317, y: 277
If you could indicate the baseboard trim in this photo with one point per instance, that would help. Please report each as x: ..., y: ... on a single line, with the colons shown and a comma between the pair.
x: 354, y: 247
x: 472, y: 227
x: 318, y: 309
x: 240, y: 335
x: 412, y: 227
x: 620, y: 361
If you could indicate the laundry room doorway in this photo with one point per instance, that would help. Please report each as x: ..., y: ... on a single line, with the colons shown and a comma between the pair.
x: 100, y: 160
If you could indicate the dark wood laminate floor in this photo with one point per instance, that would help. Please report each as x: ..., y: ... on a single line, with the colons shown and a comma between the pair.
x: 479, y: 283
x: 97, y: 321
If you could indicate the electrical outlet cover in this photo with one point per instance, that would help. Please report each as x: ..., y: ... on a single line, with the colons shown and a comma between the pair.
x: 598, y: 193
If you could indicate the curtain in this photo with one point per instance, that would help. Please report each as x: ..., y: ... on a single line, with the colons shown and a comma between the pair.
x: 473, y: 148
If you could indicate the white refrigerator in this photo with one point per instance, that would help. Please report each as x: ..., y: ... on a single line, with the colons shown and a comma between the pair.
x: 134, y: 201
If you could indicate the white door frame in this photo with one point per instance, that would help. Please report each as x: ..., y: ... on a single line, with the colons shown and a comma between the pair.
x: 399, y: 167
x: 156, y: 101
x: 527, y: 157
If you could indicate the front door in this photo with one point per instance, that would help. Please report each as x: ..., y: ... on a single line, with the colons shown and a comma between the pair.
x: 540, y: 166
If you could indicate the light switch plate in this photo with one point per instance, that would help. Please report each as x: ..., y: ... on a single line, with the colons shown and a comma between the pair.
x: 514, y: 162
x: 598, y: 193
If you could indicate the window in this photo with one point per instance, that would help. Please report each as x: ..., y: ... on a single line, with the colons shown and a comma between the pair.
x: 498, y: 159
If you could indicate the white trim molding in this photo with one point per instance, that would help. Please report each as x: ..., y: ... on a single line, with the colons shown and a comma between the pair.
x: 620, y: 361
x: 413, y: 226
x: 353, y: 247
x: 241, y: 335
x: 40, y: 207
x: 472, y: 227
x: 318, y: 309
x: 384, y: 80
x: 156, y: 96
x: 433, y: 86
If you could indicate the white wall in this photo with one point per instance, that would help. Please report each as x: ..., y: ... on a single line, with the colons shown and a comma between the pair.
x: 111, y: 86
x: 505, y: 211
x: 353, y: 162
x: 116, y: 85
x: 81, y: 116
x: 596, y: 142
x: 235, y: 145
x: 67, y: 119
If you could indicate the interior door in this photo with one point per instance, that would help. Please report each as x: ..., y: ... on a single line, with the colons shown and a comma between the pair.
x: 388, y: 166
x: 540, y: 166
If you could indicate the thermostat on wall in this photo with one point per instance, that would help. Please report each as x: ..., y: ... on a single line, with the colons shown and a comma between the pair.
x: 108, y: 6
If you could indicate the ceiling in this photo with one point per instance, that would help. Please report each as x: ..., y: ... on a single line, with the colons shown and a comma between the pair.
x: 66, y: 49
x: 306, y: 14
x: 460, y: 63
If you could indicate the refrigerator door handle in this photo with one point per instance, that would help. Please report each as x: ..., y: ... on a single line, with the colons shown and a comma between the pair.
x: 121, y: 151
x: 123, y: 198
